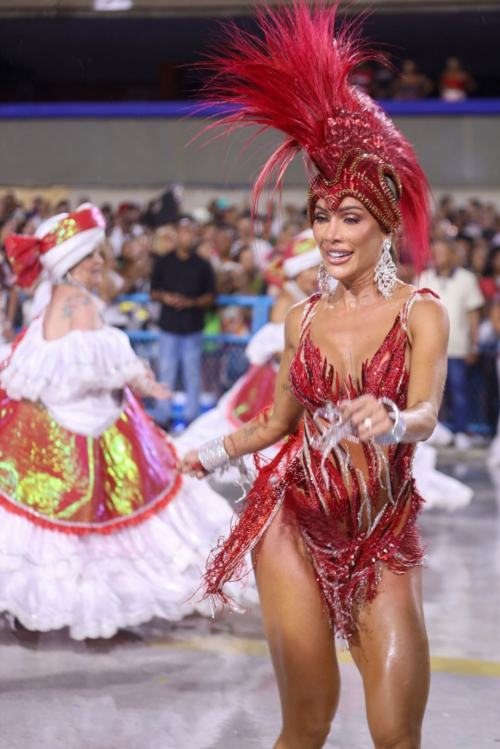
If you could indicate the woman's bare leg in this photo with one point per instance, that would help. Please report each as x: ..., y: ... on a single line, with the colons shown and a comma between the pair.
x: 392, y: 654
x: 299, y: 636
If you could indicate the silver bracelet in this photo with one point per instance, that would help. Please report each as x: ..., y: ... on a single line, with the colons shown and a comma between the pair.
x: 398, y: 430
x: 213, y: 455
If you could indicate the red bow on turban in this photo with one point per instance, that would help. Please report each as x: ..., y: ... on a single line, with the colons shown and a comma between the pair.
x: 24, y: 251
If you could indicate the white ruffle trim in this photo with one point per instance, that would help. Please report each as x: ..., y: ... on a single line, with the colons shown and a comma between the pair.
x: 269, y: 340
x: 79, y: 362
x: 439, y: 490
x: 97, y: 584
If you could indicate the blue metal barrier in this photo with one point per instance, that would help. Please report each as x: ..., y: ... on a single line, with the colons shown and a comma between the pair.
x: 222, y: 364
x: 151, y: 336
x: 261, y: 306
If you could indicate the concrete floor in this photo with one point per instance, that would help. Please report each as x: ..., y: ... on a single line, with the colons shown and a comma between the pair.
x: 188, y: 687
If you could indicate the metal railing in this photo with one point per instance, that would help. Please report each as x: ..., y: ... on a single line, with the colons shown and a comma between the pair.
x: 224, y: 358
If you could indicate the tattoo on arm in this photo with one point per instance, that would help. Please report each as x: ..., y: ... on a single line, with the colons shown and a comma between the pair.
x: 74, y: 301
x: 288, y: 390
x: 248, y: 431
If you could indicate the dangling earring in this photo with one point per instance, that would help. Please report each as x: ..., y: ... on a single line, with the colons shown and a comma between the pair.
x: 324, y: 280
x: 385, y: 271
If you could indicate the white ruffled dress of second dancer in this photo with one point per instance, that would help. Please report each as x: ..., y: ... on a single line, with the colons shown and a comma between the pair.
x: 97, y: 530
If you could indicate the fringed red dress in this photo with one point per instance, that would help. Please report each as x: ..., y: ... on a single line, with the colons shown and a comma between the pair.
x: 356, y: 513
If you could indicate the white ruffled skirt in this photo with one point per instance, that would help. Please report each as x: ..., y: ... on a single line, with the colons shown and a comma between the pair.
x: 96, y: 584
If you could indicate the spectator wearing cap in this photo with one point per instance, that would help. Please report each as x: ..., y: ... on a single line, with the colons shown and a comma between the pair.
x: 459, y: 290
x: 184, y: 283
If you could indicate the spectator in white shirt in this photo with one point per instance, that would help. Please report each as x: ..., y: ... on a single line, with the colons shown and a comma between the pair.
x: 125, y: 228
x: 459, y: 290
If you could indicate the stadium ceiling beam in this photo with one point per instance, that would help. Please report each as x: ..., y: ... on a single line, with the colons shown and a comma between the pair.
x: 216, y: 8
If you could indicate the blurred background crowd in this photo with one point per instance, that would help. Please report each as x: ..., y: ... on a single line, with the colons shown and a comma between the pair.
x: 407, y: 82
x: 246, y: 261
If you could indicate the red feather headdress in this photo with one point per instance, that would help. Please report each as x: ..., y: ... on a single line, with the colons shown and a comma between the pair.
x: 296, y: 79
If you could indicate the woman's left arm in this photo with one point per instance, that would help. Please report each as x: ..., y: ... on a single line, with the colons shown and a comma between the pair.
x: 428, y: 330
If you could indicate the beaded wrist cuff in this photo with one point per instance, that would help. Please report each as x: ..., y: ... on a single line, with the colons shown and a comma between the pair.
x: 398, y: 430
x: 213, y: 455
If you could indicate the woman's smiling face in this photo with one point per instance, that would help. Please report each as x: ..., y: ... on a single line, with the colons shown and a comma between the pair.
x: 350, y: 239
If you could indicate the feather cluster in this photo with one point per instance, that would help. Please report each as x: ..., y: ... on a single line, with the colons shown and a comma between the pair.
x: 295, y: 77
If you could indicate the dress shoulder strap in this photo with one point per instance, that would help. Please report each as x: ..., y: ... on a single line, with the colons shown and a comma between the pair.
x: 308, y: 313
x: 405, y: 312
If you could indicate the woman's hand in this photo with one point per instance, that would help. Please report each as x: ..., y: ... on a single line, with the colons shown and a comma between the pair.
x: 191, y: 465
x: 158, y: 390
x: 368, y: 416
x: 147, y: 387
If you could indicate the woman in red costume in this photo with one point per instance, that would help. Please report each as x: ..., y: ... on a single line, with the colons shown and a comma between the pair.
x: 332, y: 527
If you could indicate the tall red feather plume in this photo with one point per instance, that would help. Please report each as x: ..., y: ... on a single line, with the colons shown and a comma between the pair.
x: 296, y: 79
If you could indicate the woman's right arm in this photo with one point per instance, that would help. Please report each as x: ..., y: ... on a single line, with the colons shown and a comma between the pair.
x: 273, y: 425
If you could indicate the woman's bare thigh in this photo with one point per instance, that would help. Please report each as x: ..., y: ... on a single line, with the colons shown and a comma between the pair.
x: 392, y: 654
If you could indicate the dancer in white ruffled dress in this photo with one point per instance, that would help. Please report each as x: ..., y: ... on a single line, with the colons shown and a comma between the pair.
x: 98, y: 530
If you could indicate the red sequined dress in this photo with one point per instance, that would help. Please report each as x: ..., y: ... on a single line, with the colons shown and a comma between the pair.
x: 357, y: 513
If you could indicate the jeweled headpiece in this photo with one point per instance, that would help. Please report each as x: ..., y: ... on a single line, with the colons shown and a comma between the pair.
x: 296, y: 79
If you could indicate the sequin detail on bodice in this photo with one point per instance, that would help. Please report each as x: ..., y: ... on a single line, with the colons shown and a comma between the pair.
x: 314, y: 381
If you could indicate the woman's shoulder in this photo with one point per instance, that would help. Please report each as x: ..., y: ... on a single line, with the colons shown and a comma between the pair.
x: 298, y: 315
x: 409, y: 294
x: 427, y: 310
x: 300, y: 309
x: 425, y: 295
x: 71, y: 309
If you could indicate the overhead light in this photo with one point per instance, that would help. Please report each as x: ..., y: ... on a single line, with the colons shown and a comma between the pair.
x: 109, y: 5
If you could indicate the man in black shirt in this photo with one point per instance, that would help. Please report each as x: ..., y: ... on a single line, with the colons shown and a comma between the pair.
x: 185, y: 285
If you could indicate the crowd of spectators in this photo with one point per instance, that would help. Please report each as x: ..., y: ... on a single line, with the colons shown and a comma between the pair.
x: 245, y: 262
x: 406, y: 82
x: 242, y: 260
